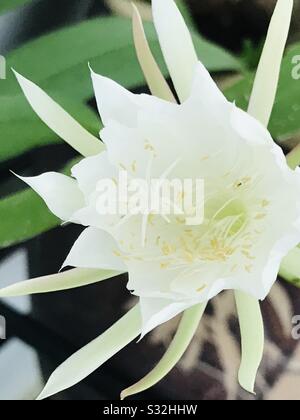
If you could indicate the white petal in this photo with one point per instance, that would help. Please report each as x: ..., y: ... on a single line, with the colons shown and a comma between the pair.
x: 252, y: 332
x: 95, y: 249
x: 95, y: 354
x: 125, y: 148
x: 266, y: 81
x: 60, y: 193
x: 176, y: 44
x: 149, y: 280
x: 249, y: 128
x: 90, y: 171
x: 63, y: 281
x: 185, y: 332
x: 206, y: 91
x: 114, y: 102
x: 156, y: 311
x: 59, y: 120
x: 156, y: 81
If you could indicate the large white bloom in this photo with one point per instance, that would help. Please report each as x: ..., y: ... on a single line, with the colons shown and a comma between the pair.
x: 252, y: 197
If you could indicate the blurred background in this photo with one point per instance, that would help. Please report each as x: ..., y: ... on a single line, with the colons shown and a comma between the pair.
x: 51, y: 42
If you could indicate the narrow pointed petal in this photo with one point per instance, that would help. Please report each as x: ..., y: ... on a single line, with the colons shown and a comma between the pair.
x: 176, y: 44
x: 186, y: 330
x: 92, y: 356
x: 114, y: 102
x: 60, y: 192
x: 290, y: 267
x: 95, y: 249
x: 157, y: 311
x: 63, y: 281
x: 156, y: 81
x: 293, y: 157
x: 252, y: 332
x: 266, y: 81
x: 59, y: 120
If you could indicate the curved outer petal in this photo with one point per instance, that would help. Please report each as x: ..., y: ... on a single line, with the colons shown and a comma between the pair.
x: 252, y: 331
x: 176, y: 44
x: 95, y: 249
x: 63, y: 281
x: 293, y: 157
x: 266, y: 81
x: 185, y: 332
x: 260, y: 106
x: 249, y: 128
x: 277, y: 254
x: 88, y: 172
x: 95, y: 354
x: 59, y: 120
x: 206, y: 92
x: 157, y: 311
x: 60, y: 193
x: 290, y: 267
x: 114, y: 102
x: 156, y: 81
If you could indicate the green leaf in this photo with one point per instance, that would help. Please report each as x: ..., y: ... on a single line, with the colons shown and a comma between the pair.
x: 25, y: 215
x: 285, y: 119
x: 8, y: 5
x: 58, y: 62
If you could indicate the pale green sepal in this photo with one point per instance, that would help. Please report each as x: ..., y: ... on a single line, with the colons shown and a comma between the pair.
x: 56, y: 118
x: 176, y: 44
x: 252, y: 335
x: 155, y: 80
x: 267, y: 76
x: 290, y: 267
x: 92, y: 356
x: 186, y: 330
x: 293, y: 158
x: 63, y: 281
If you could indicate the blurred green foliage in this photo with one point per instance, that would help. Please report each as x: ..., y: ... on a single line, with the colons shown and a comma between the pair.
x: 8, y: 5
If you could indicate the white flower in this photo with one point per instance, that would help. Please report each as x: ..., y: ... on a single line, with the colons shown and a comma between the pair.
x: 250, y: 224
x: 252, y: 197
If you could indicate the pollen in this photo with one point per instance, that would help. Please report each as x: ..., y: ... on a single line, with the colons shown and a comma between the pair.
x: 148, y: 146
x: 249, y: 268
x: 265, y: 203
x: 164, y: 265
x: 260, y: 216
x: 166, y: 249
x: 133, y: 166
x: 122, y: 166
